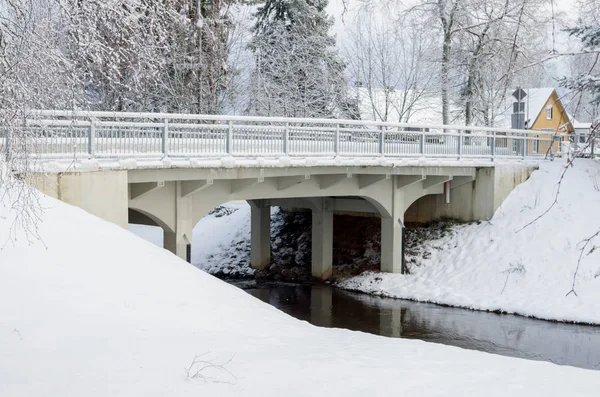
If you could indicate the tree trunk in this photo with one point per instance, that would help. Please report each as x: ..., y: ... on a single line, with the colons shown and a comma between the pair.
x: 468, y: 94
x: 446, y: 78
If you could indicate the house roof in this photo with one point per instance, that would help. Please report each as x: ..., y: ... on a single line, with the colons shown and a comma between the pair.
x: 534, y: 104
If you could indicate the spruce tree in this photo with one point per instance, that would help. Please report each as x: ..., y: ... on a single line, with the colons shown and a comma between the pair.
x: 298, y: 70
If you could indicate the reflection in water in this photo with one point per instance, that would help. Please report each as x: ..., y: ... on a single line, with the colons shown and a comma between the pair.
x: 576, y: 345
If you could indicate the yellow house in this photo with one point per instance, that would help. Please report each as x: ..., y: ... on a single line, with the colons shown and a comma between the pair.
x: 544, y: 112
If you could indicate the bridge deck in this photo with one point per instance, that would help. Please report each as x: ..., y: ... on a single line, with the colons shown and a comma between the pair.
x: 69, y: 135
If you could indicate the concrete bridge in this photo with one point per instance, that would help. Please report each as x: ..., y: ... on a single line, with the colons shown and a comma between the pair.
x: 131, y: 168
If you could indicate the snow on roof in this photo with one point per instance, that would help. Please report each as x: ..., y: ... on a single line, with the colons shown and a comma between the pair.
x: 579, y: 125
x: 534, y: 104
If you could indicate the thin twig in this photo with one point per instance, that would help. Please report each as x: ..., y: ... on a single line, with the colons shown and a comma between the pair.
x: 518, y: 268
x: 505, y: 282
x: 197, y: 368
x: 562, y: 176
x: 587, y: 241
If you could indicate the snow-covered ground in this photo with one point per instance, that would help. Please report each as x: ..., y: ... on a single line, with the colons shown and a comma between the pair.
x: 220, y: 240
x: 98, y: 311
x: 497, y: 266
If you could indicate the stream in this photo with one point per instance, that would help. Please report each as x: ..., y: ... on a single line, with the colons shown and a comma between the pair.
x: 508, y: 335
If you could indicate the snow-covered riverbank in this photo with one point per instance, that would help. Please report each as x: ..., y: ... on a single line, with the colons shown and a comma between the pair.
x: 498, y: 265
x: 97, y: 311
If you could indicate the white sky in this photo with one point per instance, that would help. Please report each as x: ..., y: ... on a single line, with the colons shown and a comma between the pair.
x: 336, y: 9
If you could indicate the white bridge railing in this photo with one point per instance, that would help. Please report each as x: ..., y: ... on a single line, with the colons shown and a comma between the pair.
x: 67, y: 134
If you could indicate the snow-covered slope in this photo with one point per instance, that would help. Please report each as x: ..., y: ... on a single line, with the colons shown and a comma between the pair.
x: 494, y: 266
x: 97, y: 311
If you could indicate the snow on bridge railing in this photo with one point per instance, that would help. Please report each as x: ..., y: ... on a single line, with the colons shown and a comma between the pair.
x: 68, y: 134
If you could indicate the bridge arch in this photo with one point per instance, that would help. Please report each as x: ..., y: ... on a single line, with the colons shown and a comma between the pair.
x: 141, y: 217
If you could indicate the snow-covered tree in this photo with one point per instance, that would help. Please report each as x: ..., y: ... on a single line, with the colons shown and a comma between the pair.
x: 147, y: 55
x: 201, y: 78
x: 117, y: 47
x: 482, y: 44
x: 298, y: 71
x: 587, y: 80
x: 34, y: 73
x: 447, y: 17
x: 498, y: 36
x: 390, y: 64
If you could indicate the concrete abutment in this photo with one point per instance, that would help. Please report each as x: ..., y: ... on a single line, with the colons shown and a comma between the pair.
x: 473, y: 200
x: 101, y: 193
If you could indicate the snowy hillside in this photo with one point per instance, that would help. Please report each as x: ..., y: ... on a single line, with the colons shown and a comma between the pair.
x: 97, y: 311
x: 498, y: 265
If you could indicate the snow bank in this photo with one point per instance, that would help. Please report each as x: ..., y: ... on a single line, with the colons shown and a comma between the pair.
x: 228, y: 248
x: 97, y: 311
x: 494, y: 266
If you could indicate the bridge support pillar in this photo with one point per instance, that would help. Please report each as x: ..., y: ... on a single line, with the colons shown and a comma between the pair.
x: 391, y: 234
x: 391, y: 245
x: 260, y: 235
x: 179, y: 241
x: 177, y: 247
x: 322, y: 244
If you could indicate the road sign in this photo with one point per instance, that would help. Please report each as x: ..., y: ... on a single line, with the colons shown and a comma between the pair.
x: 519, y: 94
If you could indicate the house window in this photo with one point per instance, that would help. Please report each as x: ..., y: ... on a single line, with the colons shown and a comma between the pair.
x: 549, y: 113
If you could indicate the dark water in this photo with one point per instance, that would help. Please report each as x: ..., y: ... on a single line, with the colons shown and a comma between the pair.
x: 509, y: 335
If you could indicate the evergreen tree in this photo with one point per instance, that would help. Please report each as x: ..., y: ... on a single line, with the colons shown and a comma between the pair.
x: 298, y: 70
